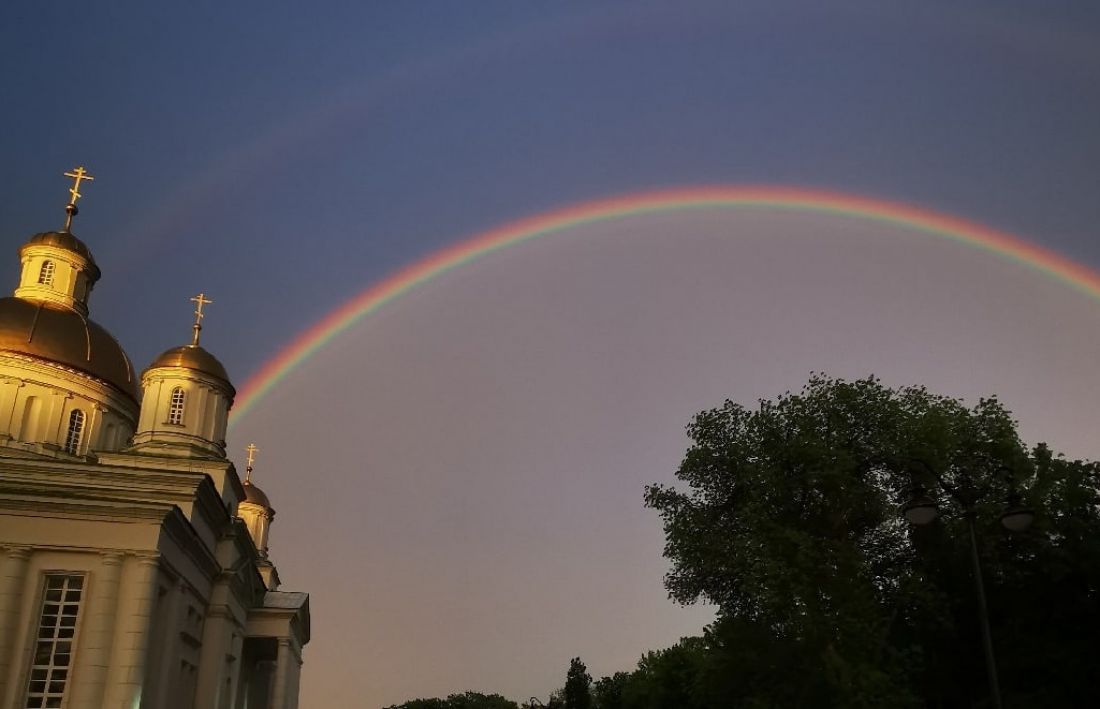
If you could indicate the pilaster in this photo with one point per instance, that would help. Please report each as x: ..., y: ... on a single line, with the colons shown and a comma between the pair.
x: 217, y: 647
x: 160, y: 696
x: 13, y: 574
x: 133, y: 616
x: 281, y: 685
x: 93, y: 656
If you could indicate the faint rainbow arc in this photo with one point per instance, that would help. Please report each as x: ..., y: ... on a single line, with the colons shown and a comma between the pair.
x: 375, y: 296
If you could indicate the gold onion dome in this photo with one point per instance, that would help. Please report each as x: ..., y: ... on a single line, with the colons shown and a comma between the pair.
x: 256, y: 496
x: 196, y: 358
x: 65, y: 337
x: 65, y: 240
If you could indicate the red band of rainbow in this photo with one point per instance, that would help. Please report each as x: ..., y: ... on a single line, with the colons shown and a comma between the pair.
x: 376, y: 295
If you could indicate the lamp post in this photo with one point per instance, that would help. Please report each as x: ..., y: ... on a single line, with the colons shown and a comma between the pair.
x: 922, y: 510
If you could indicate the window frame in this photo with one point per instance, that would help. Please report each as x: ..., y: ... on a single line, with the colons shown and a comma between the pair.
x: 47, y: 681
x: 74, y: 434
x: 47, y: 272
x: 177, y: 409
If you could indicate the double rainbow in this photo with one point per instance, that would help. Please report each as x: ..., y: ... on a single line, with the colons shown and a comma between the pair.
x: 375, y: 296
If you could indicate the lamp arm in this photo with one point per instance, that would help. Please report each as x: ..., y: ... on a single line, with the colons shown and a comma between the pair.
x: 944, y: 485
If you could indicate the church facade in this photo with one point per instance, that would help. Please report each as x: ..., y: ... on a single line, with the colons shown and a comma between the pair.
x: 134, y: 567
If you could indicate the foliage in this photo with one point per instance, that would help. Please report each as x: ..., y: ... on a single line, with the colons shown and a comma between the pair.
x: 607, y: 693
x: 827, y: 597
x: 468, y: 700
x: 790, y: 524
x: 578, y: 686
x: 667, y: 678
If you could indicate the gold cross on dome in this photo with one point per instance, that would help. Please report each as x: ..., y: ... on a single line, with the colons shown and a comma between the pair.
x: 252, y: 451
x: 199, y: 301
x: 79, y: 174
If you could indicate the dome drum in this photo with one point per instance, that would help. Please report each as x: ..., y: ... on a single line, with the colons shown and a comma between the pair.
x: 37, y: 405
x: 59, y: 269
x: 257, y: 513
x: 185, y: 407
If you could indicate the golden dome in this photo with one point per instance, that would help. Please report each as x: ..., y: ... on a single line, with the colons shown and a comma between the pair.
x: 256, y: 496
x: 65, y: 240
x: 66, y: 337
x: 194, y: 357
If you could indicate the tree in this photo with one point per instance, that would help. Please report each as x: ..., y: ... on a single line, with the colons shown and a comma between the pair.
x: 607, y: 693
x: 827, y: 597
x: 668, y: 679
x: 578, y: 686
x: 467, y: 700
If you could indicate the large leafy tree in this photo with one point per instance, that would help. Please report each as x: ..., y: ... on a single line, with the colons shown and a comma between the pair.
x: 790, y: 524
x: 577, y: 693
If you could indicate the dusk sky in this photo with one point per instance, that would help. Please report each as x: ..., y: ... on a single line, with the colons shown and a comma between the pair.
x: 459, y: 476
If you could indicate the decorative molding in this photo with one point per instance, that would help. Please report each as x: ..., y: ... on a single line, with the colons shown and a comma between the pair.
x: 111, y: 558
x: 20, y: 552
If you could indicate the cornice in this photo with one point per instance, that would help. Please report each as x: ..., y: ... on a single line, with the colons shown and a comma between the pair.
x: 35, y: 367
x: 100, y: 486
x: 181, y: 531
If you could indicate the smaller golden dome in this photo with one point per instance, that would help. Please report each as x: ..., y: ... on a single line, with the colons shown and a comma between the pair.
x: 256, y: 496
x: 65, y: 240
x: 194, y: 357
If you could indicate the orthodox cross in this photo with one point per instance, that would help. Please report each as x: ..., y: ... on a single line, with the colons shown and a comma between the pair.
x: 79, y: 174
x: 199, y: 301
x: 252, y: 450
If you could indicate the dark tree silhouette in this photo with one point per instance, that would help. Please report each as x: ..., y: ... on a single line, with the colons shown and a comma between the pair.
x: 790, y: 524
x: 467, y: 700
x: 578, y: 686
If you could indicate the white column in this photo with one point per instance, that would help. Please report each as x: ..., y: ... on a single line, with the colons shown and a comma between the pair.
x: 160, y: 696
x: 295, y: 681
x: 13, y: 573
x: 93, y: 655
x: 131, y: 639
x: 90, y: 441
x: 58, y: 405
x: 200, y: 420
x: 216, y: 645
x: 282, y: 675
x: 11, y: 387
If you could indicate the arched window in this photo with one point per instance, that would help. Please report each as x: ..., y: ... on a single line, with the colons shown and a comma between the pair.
x: 45, y: 276
x: 76, y: 431
x: 175, y: 406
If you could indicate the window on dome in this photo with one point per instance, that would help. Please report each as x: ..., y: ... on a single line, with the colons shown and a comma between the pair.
x: 76, y: 432
x: 54, y: 640
x: 175, y: 407
x: 45, y: 276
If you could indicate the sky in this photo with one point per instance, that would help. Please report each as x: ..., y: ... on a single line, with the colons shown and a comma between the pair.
x: 459, y: 476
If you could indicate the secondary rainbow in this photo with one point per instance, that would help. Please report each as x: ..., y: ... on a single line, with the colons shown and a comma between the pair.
x: 377, y: 295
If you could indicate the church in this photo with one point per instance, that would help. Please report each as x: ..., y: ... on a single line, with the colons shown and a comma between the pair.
x: 134, y: 565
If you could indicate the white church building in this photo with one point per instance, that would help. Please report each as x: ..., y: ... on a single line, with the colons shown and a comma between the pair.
x: 134, y: 567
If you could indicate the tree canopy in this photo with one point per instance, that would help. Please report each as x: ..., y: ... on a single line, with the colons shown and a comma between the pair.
x: 788, y: 518
x: 466, y: 700
x: 577, y: 693
x: 790, y: 525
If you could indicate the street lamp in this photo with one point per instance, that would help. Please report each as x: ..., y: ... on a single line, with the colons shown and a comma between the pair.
x: 922, y: 510
x: 1017, y: 517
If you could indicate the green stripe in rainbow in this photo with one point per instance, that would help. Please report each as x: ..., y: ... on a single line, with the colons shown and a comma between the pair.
x: 1013, y: 248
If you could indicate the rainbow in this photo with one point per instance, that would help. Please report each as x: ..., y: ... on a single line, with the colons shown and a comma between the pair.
x: 379, y: 294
